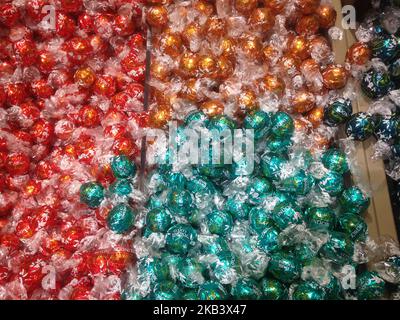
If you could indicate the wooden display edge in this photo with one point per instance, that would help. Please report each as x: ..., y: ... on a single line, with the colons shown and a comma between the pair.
x: 371, y: 173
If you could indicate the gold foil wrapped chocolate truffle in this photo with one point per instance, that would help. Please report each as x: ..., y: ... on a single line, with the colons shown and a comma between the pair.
x: 334, y: 77
x: 212, y: 108
x: 157, y: 16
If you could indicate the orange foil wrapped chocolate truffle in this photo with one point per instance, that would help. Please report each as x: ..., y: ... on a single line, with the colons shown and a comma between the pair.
x: 334, y: 77
x: 245, y: 6
x: 170, y: 43
x: 159, y: 70
x: 303, y: 101
x: 307, y: 25
x: 316, y: 116
x: 157, y: 16
x: 227, y: 47
x: 251, y: 46
x: 207, y: 66
x: 159, y: 117
x: 204, y: 7
x: 359, y: 53
x: 225, y: 67
x: 212, y: 108
x: 272, y: 84
x: 298, y: 46
x: 308, y: 6
x: 215, y: 27
x: 247, y: 101
x: 326, y: 16
x: 191, y: 90
x: 261, y: 20
x: 276, y: 6
x: 192, y: 33
x: 189, y: 65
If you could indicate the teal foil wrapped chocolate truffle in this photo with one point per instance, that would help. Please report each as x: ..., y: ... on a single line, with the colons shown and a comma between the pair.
x: 154, y: 268
x: 122, y: 167
x: 246, y: 289
x: 180, y: 238
x: 360, y: 127
x: 335, y: 160
x: 237, y: 208
x: 271, y: 166
x: 284, y: 267
x: 332, y: 183
x: 158, y: 220
x: 308, y: 290
x: 278, y: 146
x: 225, y: 268
x: 370, y: 286
x: 166, y: 290
x: 338, y: 112
x: 376, y: 84
x: 272, y: 289
x: 121, y: 187
x: 320, y: 218
x: 285, y: 214
x: 221, y: 123
x: 268, y: 240
x: 212, y: 290
x: 300, y: 183
x: 190, y: 273
x: 354, y: 200
x: 258, y: 189
x: 353, y: 225
x: 282, y: 125
x: 92, y: 194
x: 196, y: 118
x: 339, y: 248
x: 214, y: 245
x: 260, y: 219
x: 259, y: 121
x: 180, y: 202
x: 121, y: 218
x: 219, y: 222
